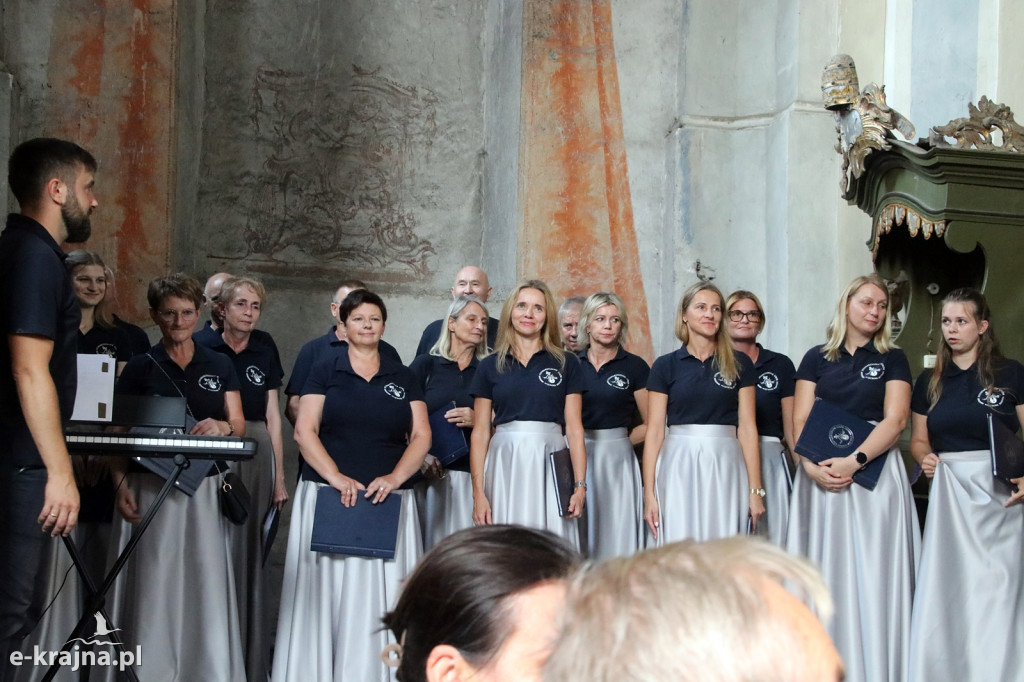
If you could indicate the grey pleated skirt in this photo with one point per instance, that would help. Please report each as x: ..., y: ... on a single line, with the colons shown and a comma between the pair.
x: 257, y: 475
x: 447, y: 506
x: 329, y: 626
x: 518, y: 481
x: 176, y: 597
x: 701, y: 484
x: 970, y: 587
x: 614, y: 509
x: 866, y: 543
x: 778, y: 485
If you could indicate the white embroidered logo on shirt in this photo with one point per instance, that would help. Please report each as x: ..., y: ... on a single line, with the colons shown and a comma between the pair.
x: 255, y: 375
x: 993, y: 399
x: 550, y: 377
x: 720, y: 380
x: 874, y: 371
x: 211, y: 382
x: 768, y: 382
x: 395, y: 391
x: 840, y: 436
x: 107, y: 349
x: 619, y: 381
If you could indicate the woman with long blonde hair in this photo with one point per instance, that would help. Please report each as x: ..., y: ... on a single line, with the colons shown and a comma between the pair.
x: 534, y: 390
x: 865, y: 541
x: 703, y: 479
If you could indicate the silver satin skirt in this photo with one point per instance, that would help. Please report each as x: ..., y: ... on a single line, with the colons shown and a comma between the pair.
x: 701, y: 484
x: 778, y: 485
x: 866, y: 543
x: 175, y: 598
x: 970, y: 587
x: 445, y: 506
x: 614, y: 509
x: 518, y: 481
x: 250, y: 577
x: 331, y: 605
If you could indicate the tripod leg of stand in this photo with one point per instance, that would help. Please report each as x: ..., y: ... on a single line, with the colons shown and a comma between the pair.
x: 98, y: 596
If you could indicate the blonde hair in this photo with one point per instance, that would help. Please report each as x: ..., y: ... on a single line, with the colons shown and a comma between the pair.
x: 550, y: 337
x: 443, y: 346
x: 79, y: 258
x: 679, y: 612
x: 836, y: 331
x: 590, y: 306
x: 725, y: 358
x: 740, y: 294
x: 231, y: 286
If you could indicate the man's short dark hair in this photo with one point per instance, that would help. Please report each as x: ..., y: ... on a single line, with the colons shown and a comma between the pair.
x: 34, y: 162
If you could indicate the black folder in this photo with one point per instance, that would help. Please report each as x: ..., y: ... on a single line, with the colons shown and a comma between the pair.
x: 448, y: 442
x: 366, y: 529
x: 189, y: 480
x: 830, y: 432
x: 562, y: 477
x: 269, y: 531
x: 1006, y: 451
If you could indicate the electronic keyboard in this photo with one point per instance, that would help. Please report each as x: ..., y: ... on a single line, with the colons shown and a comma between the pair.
x: 162, y: 445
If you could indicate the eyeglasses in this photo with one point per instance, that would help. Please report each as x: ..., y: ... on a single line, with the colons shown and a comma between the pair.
x: 751, y: 315
x: 171, y: 315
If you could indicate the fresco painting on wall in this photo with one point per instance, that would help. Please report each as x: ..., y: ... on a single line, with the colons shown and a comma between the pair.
x: 331, y: 192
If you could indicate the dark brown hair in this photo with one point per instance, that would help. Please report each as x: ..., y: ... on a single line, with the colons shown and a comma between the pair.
x: 989, y: 355
x: 458, y: 595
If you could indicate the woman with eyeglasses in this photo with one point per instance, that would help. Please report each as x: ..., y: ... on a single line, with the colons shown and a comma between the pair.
x: 774, y: 388
x: 970, y: 587
x: 616, y: 390
x: 702, y: 479
x: 176, y: 597
x: 254, y: 356
x: 865, y: 541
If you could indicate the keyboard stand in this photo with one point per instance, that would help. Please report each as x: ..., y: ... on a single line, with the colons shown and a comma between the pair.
x: 96, y: 598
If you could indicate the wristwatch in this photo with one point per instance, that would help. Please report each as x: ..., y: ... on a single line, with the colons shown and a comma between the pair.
x: 862, y: 459
x: 760, y: 492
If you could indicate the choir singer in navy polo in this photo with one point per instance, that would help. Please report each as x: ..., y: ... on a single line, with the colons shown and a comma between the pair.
x: 363, y: 430
x: 865, y: 541
x: 535, y: 391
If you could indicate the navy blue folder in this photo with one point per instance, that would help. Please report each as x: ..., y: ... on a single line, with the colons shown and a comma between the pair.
x: 562, y: 476
x: 366, y: 529
x: 448, y: 442
x: 1006, y: 451
x: 830, y: 432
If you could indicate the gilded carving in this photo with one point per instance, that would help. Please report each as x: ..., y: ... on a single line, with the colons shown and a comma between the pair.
x: 895, y: 215
x: 976, y: 131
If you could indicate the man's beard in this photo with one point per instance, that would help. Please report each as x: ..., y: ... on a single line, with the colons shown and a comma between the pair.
x: 76, y: 221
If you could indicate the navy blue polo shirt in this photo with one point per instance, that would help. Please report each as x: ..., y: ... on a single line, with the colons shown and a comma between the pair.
x: 535, y: 392
x: 112, y: 341
x: 855, y: 382
x: 365, y: 424
x: 776, y: 379
x: 328, y: 344
x: 697, y: 392
x: 207, y: 336
x: 36, y: 299
x: 258, y: 368
x: 139, y: 339
x: 433, y: 332
x: 957, y: 422
x: 609, y: 402
x: 203, y: 382
x: 442, y: 382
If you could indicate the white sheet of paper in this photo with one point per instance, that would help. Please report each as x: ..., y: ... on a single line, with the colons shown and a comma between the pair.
x: 94, y: 401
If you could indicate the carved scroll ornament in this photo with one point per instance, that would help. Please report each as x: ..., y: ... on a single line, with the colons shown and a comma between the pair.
x: 976, y: 130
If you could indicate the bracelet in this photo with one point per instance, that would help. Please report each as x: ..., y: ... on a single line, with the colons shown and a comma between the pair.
x: 760, y: 492
x: 580, y: 484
